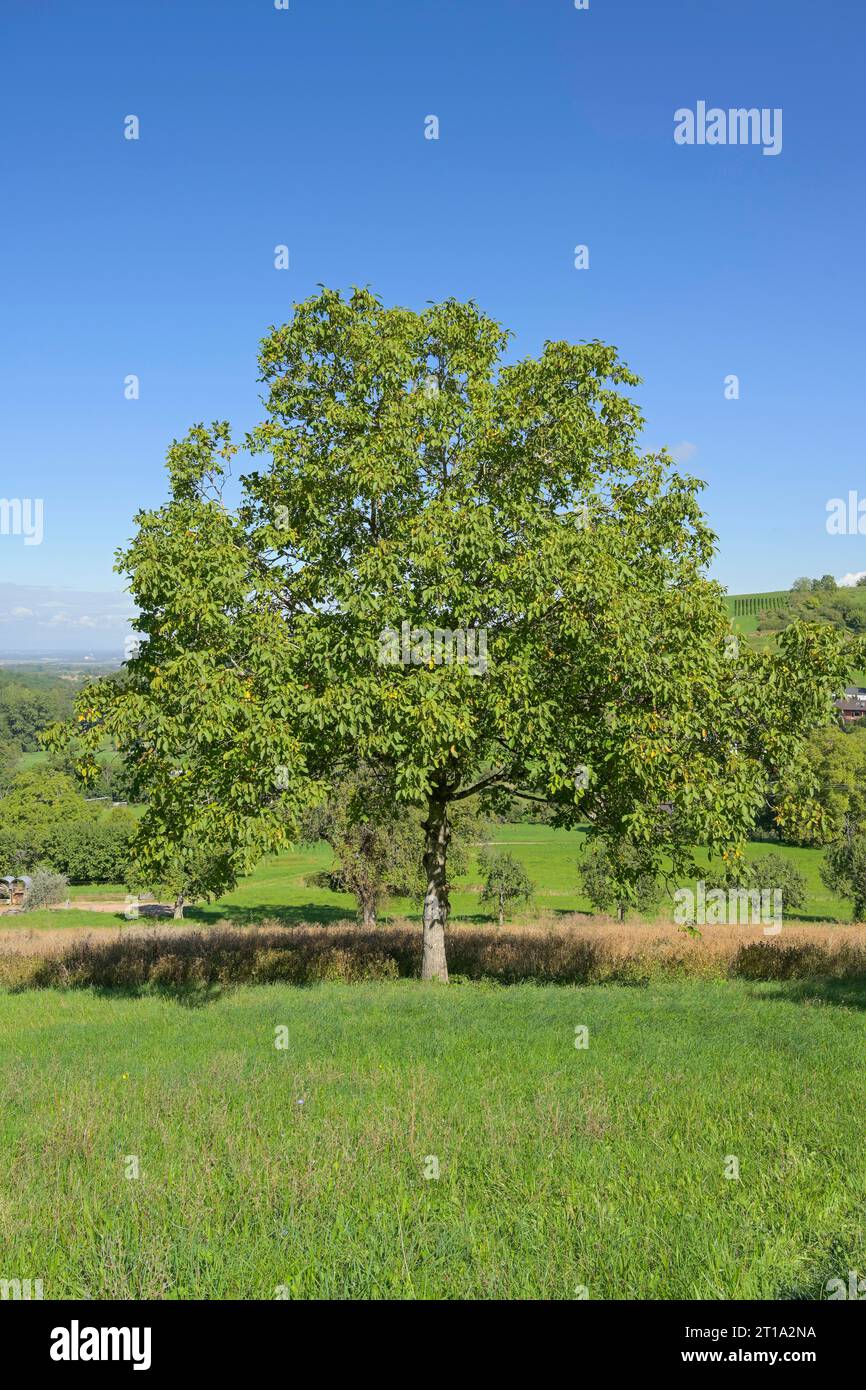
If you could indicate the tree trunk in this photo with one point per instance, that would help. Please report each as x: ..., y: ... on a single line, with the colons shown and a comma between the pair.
x: 178, y: 908
x: 501, y: 910
x: 437, y: 833
x: 620, y: 912
x: 368, y: 912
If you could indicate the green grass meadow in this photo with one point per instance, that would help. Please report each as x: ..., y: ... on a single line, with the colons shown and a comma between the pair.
x: 300, y: 1172
x: 277, y: 888
x: 308, y: 1171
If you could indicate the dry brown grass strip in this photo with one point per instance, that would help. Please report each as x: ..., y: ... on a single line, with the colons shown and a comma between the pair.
x: 577, y: 950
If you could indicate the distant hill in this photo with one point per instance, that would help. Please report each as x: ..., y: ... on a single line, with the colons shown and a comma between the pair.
x: 829, y: 604
x: 759, y: 617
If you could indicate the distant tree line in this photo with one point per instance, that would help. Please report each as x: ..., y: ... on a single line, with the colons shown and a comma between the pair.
x: 46, y: 823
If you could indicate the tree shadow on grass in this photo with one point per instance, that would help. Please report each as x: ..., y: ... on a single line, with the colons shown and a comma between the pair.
x: 309, y: 915
x: 185, y: 996
x: 844, y: 994
x: 825, y: 917
x: 306, y: 914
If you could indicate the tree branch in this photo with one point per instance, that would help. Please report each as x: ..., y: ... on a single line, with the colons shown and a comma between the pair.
x: 479, y: 786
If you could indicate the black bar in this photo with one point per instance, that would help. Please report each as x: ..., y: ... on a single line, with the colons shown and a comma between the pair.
x: 270, y: 1337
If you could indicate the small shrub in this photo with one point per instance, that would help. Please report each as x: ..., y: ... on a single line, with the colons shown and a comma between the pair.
x: 45, y: 889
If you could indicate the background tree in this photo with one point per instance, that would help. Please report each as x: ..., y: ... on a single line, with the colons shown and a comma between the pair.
x: 835, y: 762
x: 28, y: 703
x: 844, y: 872
x: 93, y: 851
x: 38, y: 805
x: 367, y: 830
x: 506, y: 882
x: 10, y: 764
x: 194, y: 872
x: 767, y: 872
x: 377, y: 841
x: 46, y: 821
x: 618, y: 875
x: 406, y: 475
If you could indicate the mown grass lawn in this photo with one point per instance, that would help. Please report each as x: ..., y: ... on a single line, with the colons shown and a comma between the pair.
x: 304, y: 1169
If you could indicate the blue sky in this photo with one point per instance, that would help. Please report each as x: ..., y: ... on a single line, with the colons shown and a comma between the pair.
x: 306, y: 127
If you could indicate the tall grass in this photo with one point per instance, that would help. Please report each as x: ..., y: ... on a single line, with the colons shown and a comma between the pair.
x: 582, y: 952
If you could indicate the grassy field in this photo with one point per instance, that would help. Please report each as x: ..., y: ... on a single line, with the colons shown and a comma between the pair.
x: 301, y: 1172
x: 276, y: 889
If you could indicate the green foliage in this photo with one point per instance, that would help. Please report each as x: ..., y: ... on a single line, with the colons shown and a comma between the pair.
x: 191, y: 873
x: 38, y: 805
x: 618, y: 875
x: 521, y: 812
x: 10, y: 762
x: 28, y: 704
x: 42, y: 796
x: 206, y: 714
x: 105, y: 776
x: 505, y: 880
x: 372, y: 836
x: 844, y: 871
x: 378, y: 841
x: 834, y: 760
x: 45, y: 821
x: 93, y: 851
x: 766, y: 872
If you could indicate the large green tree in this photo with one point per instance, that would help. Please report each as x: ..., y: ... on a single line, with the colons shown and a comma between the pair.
x: 404, y: 474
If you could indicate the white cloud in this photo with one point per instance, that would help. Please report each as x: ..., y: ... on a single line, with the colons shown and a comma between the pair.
x: 849, y: 581
x: 41, y: 618
x: 63, y: 619
x: 682, y: 452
